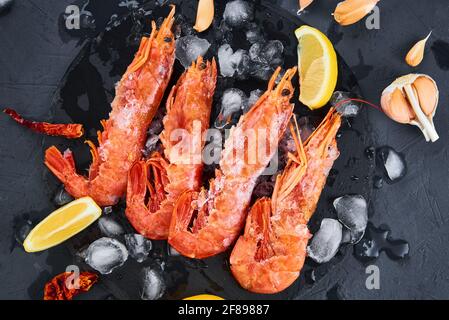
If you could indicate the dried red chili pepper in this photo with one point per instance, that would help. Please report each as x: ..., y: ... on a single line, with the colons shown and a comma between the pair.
x: 70, y: 131
x: 57, y: 288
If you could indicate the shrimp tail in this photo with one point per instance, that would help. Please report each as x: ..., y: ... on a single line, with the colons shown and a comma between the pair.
x: 148, y: 179
x: 254, y: 258
x: 137, y: 177
x: 184, y: 210
x: 63, y: 167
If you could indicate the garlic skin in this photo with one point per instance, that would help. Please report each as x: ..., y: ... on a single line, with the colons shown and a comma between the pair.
x: 351, y: 11
x: 304, y: 4
x: 413, y: 99
x: 416, y: 54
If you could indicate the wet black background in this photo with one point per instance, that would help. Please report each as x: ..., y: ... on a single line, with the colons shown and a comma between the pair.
x: 34, y: 55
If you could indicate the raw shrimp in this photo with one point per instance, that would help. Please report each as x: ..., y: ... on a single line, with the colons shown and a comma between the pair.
x: 270, y: 254
x: 188, y: 112
x: 137, y: 99
x: 206, y: 223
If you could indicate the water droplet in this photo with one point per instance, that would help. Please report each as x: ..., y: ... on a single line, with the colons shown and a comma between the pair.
x: 377, y: 240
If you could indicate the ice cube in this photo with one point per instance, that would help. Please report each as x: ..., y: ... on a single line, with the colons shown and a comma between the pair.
x: 254, y: 52
x: 130, y: 4
x: 352, y: 211
x: 223, y: 33
x: 106, y: 254
x: 260, y: 71
x: 394, y: 163
x: 253, y: 98
x: 326, y: 241
x: 225, y: 53
x: 110, y: 227
x: 231, y: 62
x: 265, y: 58
x: 62, y: 197
x: 22, y: 228
x: 153, y: 285
x: 240, y: 59
x: 254, y: 33
x: 341, y: 101
x: 272, y: 53
x: 237, y: 13
x: 269, y: 53
x: 5, y: 4
x: 182, y: 27
x: 138, y: 246
x: 189, y: 48
x: 150, y: 145
x: 232, y: 102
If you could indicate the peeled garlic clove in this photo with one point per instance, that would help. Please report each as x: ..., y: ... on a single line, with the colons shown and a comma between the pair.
x: 204, y: 15
x: 350, y: 11
x: 416, y: 54
x: 304, y: 4
x: 413, y: 99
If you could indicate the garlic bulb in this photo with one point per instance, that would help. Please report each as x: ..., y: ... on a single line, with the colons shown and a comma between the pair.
x: 413, y: 99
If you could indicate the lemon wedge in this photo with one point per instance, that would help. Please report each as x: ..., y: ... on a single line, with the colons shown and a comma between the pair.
x: 317, y: 67
x: 204, y: 297
x: 62, y: 224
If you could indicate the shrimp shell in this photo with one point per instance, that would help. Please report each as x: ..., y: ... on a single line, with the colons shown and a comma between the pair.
x: 138, y: 95
x: 270, y: 254
x: 188, y: 112
x: 206, y: 223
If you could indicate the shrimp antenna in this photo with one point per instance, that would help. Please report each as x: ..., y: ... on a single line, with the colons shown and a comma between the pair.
x: 293, y: 172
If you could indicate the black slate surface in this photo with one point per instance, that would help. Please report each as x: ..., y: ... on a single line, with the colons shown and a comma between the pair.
x: 34, y: 55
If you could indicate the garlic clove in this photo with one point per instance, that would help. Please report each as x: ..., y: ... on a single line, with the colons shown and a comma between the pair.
x: 396, y: 106
x: 304, y: 4
x: 427, y: 94
x: 350, y: 11
x: 204, y: 15
x: 413, y: 99
x: 416, y: 54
